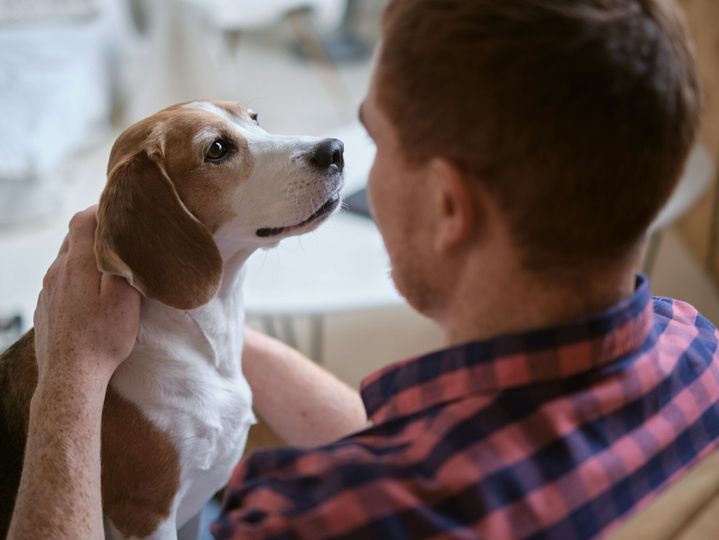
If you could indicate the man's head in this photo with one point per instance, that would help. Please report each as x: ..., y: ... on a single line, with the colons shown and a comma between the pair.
x: 572, y: 117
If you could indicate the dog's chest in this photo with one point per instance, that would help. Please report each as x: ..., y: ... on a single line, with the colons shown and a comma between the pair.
x: 185, y: 376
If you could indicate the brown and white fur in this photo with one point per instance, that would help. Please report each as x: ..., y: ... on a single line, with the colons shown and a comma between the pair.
x: 179, y: 227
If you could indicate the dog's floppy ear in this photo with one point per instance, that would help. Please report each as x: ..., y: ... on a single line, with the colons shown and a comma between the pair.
x: 147, y: 235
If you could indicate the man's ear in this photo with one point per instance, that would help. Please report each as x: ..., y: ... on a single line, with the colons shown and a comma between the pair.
x: 456, y: 206
x: 147, y: 235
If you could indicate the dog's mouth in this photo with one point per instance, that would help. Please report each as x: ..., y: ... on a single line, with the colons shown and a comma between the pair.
x: 323, y: 211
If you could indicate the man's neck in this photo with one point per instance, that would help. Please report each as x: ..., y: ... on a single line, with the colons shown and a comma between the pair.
x: 502, y: 302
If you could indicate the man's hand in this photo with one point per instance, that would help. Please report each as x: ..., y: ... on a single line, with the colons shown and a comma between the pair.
x: 86, y: 322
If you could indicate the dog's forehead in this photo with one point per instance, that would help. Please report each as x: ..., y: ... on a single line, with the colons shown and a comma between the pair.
x: 231, y: 112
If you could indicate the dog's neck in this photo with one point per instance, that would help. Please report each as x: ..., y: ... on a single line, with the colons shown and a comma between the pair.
x: 221, y: 320
x: 185, y: 344
x: 211, y: 334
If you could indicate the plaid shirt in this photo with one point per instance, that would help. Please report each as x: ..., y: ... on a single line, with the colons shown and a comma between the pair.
x: 556, y: 433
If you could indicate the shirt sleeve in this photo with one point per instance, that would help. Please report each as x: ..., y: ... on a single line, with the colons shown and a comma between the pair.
x: 322, y: 493
x: 257, y: 503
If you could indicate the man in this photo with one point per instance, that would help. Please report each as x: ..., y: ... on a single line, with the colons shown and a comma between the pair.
x: 523, y: 148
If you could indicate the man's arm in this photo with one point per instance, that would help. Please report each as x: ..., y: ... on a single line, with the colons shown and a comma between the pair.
x: 59, y: 494
x: 305, y: 404
x: 86, y: 324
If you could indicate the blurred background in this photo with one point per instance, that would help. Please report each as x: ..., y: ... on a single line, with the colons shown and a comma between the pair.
x: 74, y: 73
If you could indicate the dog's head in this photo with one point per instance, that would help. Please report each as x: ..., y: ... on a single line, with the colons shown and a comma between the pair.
x: 195, y: 183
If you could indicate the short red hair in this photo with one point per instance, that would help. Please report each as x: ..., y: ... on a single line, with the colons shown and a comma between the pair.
x: 578, y: 115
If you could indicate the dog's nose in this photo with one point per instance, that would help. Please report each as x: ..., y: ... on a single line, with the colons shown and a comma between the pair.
x: 327, y: 153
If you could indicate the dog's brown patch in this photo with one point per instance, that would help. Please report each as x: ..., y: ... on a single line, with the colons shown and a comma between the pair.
x: 18, y: 378
x: 140, y: 469
x: 140, y: 465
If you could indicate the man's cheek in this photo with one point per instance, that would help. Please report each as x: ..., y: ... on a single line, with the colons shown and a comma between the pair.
x: 374, y: 190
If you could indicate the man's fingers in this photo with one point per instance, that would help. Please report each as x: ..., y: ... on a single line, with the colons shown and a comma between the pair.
x: 82, y: 226
x: 38, y: 306
x: 65, y: 245
x: 84, y: 219
x: 81, y: 244
x: 115, y: 288
x: 54, y: 269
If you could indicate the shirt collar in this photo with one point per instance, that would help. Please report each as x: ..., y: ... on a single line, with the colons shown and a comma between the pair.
x: 490, y: 366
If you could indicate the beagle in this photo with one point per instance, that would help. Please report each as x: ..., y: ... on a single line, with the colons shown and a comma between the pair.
x: 192, y: 192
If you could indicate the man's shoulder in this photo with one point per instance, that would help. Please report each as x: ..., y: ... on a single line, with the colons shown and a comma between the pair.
x: 682, y: 318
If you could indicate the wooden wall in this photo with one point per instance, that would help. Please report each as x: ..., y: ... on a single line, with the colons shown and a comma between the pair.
x: 703, y: 19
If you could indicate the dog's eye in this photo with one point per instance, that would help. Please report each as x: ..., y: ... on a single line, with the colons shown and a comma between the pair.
x: 255, y: 118
x: 217, y: 151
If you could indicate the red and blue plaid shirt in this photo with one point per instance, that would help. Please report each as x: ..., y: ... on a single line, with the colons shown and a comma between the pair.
x: 556, y: 433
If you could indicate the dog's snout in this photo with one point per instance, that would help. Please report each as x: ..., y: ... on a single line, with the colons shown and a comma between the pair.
x: 327, y: 153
